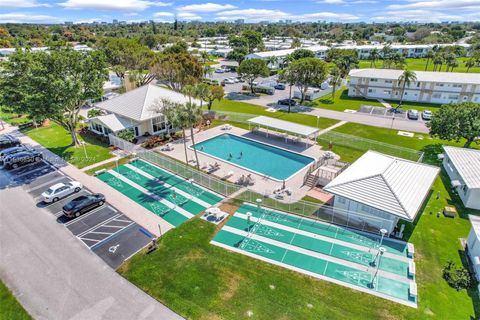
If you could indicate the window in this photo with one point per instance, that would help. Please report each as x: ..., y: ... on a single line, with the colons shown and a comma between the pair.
x: 341, y: 200
x: 158, y: 124
x: 439, y: 84
x: 388, y: 81
x: 456, y: 85
x: 107, y: 131
x: 97, y: 127
x: 373, y: 80
x: 387, y: 92
x: 453, y: 97
x: 436, y: 95
x: 418, y: 84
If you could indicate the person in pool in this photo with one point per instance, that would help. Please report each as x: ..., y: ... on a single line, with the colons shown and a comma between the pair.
x: 241, y: 154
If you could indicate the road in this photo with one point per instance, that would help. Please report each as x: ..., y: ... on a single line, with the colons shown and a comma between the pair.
x: 377, y: 121
x: 55, y: 276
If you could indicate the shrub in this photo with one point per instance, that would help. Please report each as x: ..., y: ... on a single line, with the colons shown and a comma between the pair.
x: 127, y: 135
x: 153, y: 141
x: 458, y: 278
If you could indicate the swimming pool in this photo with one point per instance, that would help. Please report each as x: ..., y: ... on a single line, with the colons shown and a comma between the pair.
x: 261, y: 158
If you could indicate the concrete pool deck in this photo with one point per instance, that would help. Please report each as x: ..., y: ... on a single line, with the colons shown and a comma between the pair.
x: 262, y: 185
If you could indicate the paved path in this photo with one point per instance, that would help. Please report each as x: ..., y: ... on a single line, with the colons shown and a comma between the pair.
x: 100, y: 163
x: 54, y: 276
x: 336, y: 125
x: 384, y: 122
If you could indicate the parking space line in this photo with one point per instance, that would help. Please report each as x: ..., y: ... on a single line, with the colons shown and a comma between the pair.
x: 69, y: 196
x: 84, y: 216
x: 51, y: 182
x: 88, y: 239
x: 96, y: 226
x: 114, y: 234
x: 99, y: 232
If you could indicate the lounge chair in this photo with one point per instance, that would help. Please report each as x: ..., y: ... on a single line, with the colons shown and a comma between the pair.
x: 168, y: 147
x: 228, y: 175
x: 213, y: 167
x: 241, y: 180
x: 226, y: 127
x: 249, y: 181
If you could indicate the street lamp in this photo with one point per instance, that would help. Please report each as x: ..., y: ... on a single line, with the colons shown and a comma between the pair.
x: 383, y: 231
x: 382, y: 250
x: 259, y: 204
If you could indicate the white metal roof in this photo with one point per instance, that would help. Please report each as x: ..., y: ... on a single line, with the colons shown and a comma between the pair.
x: 390, y: 184
x: 114, y: 122
x: 467, y: 163
x: 284, y: 125
x: 422, y: 76
x: 138, y: 104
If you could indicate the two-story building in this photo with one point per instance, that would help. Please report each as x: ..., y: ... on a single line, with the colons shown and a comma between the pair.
x: 430, y: 87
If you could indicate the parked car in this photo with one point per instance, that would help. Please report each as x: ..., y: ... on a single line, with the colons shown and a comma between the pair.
x: 287, y: 102
x: 8, y: 141
x: 280, y: 86
x: 229, y: 81
x: 240, y: 79
x: 83, y: 204
x: 412, y: 114
x: 427, y: 115
x: 61, y: 190
x: 219, y: 70
x: 18, y: 159
x: 6, y: 152
x: 235, y: 79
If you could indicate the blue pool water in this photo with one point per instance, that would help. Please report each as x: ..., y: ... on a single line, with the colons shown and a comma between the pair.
x: 258, y: 157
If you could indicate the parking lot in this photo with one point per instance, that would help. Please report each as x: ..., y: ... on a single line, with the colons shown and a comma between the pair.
x: 104, y: 230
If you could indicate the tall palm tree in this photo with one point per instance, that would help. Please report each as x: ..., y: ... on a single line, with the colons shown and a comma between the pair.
x: 437, y: 62
x: 406, y: 79
x: 171, y: 111
x: 451, y: 62
x: 429, y: 56
x: 191, y: 114
x: 335, y: 78
x: 469, y: 64
x: 373, y: 56
x: 272, y: 61
x: 201, y: 92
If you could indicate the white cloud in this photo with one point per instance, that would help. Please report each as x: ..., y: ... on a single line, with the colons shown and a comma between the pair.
x: 330, y: 16
x: 27, y: 18
x: 127, y: 5
x: 416, y: 15
x: 363, y: 2
x: 252, y: 15
x: 186, y: 16
x: 21, y: 4
x: 206, y: 7
x: 163, y: 14
x: 331, y: 1
x: 438, y: 4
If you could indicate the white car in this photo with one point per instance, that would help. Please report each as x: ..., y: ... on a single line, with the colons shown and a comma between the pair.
x: 229, y: 80
x: 61, y: 190
x: 219, y: 70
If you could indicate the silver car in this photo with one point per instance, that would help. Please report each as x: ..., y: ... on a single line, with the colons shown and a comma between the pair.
x: 61, y: 190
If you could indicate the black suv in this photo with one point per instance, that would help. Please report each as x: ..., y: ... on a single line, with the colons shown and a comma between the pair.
x: 8, y: 141
x: 83, y: 204
x: 18, y: 159
x: 6, y: 152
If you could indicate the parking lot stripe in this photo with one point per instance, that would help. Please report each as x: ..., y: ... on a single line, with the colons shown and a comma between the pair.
x: 51, y: 182
x: 114, y: 234
x: 69, y: 196
x: 96, y: 226
x: 88, y: 239
x: 84, y: 216
x: 99, y: 232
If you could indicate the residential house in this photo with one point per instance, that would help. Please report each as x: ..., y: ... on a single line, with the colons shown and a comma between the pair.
x: 463, y: 167
x: 383, y: 188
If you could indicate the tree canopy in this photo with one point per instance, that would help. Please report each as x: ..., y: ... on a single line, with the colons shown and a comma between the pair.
x: 457, y: 121
x: 252, y: 69
x: 305, y: 73
x: 178, y: 70
x: 53, y: 85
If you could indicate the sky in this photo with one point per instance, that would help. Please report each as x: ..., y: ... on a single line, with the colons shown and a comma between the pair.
x: 58, y: 11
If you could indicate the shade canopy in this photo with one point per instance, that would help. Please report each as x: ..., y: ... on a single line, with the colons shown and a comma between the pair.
x: 285, y: 126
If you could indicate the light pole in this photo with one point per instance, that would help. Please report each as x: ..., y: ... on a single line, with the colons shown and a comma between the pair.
x: 381, y: 251
x: 383, y: 231
x: 259, y: 204
x: 318, y: 120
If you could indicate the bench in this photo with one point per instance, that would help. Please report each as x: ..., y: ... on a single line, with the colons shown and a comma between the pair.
x: 411, y: 268
x: 413, y: 289
x: 410, y: 250
x: 100, y: 171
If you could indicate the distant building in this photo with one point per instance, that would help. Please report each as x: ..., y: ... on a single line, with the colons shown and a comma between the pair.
x: 240, y: 21
x: 430, y: 87
x: 115, y: 21
x: 68, y: 23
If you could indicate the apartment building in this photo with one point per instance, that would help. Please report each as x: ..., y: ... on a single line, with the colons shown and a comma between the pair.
x: 430, y: 87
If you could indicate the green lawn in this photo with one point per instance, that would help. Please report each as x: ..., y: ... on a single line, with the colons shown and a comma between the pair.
x: 57, y: 139
x: 254, y: 110
x: 343, y: 101
x: 13, y: 119
x: 10, y: 309
x: 201, y: 281
x: 419, y: 65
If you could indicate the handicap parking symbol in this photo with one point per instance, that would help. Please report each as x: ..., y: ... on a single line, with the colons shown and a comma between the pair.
x: 112, y: 249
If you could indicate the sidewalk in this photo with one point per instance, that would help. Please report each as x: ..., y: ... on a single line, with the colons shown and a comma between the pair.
x: 130, y: 208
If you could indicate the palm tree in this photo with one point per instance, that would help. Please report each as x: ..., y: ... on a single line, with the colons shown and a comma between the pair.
x: 429, y: 56
x: 171, y: 111
x: 335, y: 77
x: 205, y: 56
x: 373, y: 56
x: 469, y: 64
x: 451, y: 61
x: 386, y: 53
x: 406, y: 79
x: 437, y: 62
x: 191, y: 115
x: 272, y: 61
x: 201, y: 92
